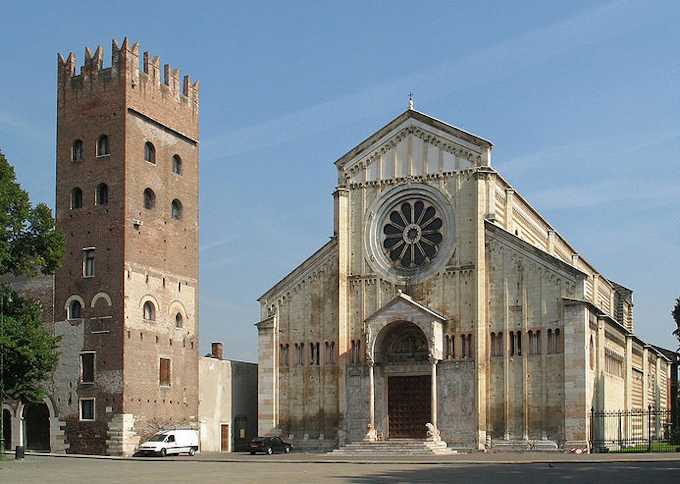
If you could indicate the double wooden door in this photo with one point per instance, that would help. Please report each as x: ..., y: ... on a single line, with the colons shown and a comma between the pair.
x: 408, y: 406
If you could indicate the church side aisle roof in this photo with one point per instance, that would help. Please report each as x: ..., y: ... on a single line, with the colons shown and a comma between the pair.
x: 306, y: 265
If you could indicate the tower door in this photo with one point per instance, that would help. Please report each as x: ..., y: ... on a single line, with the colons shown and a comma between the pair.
x: 408, y: 406
x: 7, y: 428
x: 37, y: 427
x: 224, y: 437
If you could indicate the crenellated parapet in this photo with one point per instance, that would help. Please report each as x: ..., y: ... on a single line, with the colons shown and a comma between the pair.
x: 127, y: 69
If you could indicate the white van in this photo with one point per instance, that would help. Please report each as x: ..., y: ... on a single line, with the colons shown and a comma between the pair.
x: 170, y: 442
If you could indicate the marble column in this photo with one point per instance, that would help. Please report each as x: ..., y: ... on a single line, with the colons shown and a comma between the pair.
x: 433, y: 403
x: 433, y: 431
x: 371, y: 434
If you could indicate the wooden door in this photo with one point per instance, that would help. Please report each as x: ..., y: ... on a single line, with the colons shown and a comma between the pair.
x: 224, y: 434
x: 408, y: 406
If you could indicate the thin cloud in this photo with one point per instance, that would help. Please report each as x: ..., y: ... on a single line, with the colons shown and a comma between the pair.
x: 582, y: 149
x: 498, y: 61
x: 606, y: 192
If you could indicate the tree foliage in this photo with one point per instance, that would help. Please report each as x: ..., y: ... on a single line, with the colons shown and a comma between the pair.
x: 29, y: 241
x: 29, y: 244
x: 30, y: 352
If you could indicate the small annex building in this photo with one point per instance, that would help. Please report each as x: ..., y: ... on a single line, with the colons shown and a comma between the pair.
x: 227, y: 402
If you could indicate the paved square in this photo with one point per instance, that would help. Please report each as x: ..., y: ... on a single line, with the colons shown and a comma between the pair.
x: 41, y: 470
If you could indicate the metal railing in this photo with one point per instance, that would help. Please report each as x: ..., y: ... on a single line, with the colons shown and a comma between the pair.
x: 637, y: 430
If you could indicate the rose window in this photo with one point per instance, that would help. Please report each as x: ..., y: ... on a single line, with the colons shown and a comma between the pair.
x: 412, y: 234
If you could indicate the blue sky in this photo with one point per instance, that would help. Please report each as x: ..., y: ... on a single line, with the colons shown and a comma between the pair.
x: 581, y: 100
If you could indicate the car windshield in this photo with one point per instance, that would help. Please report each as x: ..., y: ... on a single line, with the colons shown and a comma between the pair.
x: 157, y: 438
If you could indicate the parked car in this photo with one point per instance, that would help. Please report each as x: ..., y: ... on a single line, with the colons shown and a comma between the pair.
x: 269, y: 445
x: 170, y: 442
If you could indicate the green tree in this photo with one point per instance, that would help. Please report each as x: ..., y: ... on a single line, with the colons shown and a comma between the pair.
x: 29, y: 244
x: 30, y: 351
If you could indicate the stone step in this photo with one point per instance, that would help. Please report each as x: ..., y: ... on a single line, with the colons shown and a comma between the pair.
x: 394, y: 447
x: 519, y: 445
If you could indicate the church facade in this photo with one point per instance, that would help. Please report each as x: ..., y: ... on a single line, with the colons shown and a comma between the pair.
x: 445, y: 307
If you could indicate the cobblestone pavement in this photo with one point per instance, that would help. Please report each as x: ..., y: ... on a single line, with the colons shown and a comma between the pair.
x: 34, y: 470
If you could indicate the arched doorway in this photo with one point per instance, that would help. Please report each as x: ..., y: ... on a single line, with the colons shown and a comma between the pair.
x: 7, y: 428
x: 403, y: 352
x: 37, y: 427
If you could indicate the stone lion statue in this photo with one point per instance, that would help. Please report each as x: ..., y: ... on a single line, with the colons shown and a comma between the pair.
x: 432, y: 432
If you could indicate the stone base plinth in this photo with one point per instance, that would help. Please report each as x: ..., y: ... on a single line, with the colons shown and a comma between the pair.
x: 122, y: 439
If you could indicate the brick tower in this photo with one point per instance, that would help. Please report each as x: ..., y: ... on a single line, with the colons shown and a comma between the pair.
x: 126, y: 298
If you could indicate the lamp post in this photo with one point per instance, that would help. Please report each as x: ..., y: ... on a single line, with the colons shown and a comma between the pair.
x: 3, y: 298
x: 2, y: 372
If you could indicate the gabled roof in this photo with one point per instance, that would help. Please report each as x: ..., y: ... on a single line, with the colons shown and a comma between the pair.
x: 424, y: 118
x: 401, y: 297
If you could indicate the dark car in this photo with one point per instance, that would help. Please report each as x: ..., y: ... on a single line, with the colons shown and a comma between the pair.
x: 269, y: 445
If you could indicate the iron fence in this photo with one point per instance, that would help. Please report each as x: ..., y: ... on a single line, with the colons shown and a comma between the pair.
x: 639, y: 430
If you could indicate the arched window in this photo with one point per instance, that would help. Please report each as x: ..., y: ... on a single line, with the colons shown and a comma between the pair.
x: 149, y: 199
x: 592, y: 353
x: 103, y: 148
x: 101, y: 196
x: 176, y: 209
x: 77, y: 150
x: 177, y: 165
x: 179, y: 320
x: 149, y: 311
x: 76, y: 198
x: 74, y: 310
x: 149, y: 152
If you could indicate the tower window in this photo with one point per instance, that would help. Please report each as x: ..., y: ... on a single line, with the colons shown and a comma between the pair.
x: 76, y: 198
x: 149, y: 311
x: 87, y: 409
x: 164, y: 372
x: 102, y: 194
x: 87, y: 367
x: 177, y: 165
x: 149, y: 152
x: 176, y: 209
x: 103, y: 148
x: 179, y: 320
x: 149, y: 199
x: 77, y: 150
x: 88, y: 262
x: 74, y: 310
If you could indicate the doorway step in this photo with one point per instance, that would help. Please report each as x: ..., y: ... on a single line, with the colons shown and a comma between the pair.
x: 520, y: 445
x: 394, y: 447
